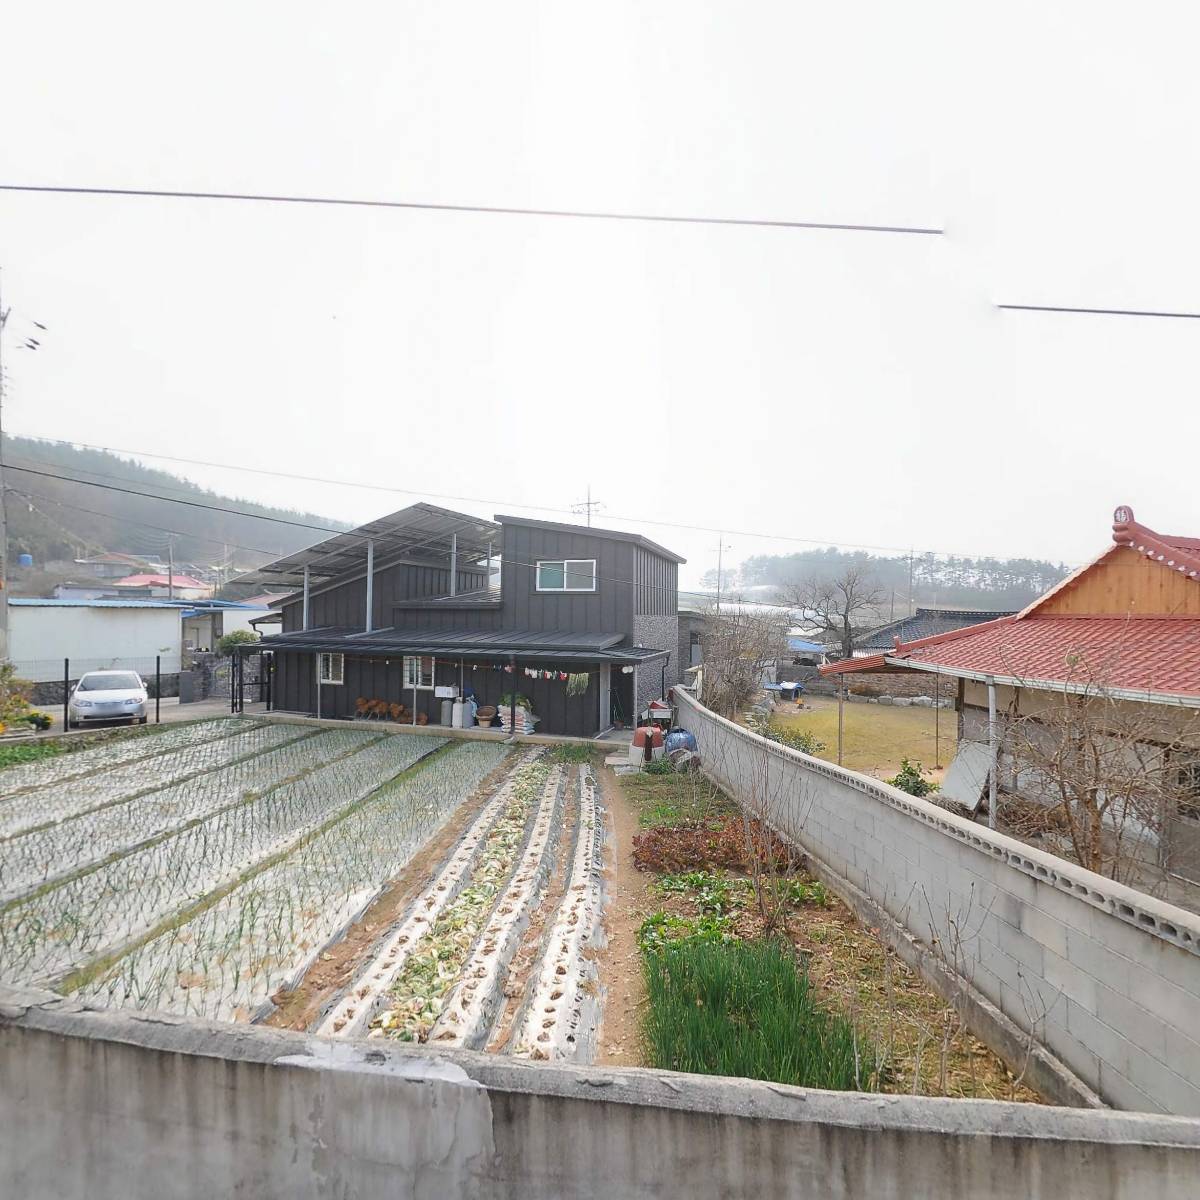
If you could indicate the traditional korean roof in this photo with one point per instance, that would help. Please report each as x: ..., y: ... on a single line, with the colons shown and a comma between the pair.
x: 924, y: 623
x: 1141, y: 655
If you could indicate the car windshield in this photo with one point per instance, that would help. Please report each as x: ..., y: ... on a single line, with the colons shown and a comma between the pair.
x: 119, y: 681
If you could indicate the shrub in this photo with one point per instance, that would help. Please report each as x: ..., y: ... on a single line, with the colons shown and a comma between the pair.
x: 659, y: 766
x: 870, y: 690
x: 725, y: 1007
x: 699, y: 844
x: 911, y: 779
x: 796, y: 739
x: 238, y: 637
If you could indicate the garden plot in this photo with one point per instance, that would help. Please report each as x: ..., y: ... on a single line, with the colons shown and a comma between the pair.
x: 144, y: 743
x: 106, y: 910
x: 50, y: 854
x: 491, y: 952
x: 37, y: 807
x: 232, y: 956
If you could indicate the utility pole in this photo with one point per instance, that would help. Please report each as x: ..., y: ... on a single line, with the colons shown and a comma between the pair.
x: 3, y: 514
x: 720, y: 550
x: 170, y: 566
x: 586, y: 506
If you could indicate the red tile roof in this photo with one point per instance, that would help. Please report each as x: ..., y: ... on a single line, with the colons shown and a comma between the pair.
x: 1159, y: 654
x: 183, y: 581
x: 1156, y: 654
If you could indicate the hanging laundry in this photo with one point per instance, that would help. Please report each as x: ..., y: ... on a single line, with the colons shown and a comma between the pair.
x: 577, y: 683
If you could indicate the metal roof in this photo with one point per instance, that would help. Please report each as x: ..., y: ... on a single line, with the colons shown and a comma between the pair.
x: 421, y: 531
x: 925, y: 622
x: 52, y: 602
x: 617, y: 535
x: 159, y: 602
x: 452, y: 643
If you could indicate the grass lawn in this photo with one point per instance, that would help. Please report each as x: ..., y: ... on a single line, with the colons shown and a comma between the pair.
x: 877, y: 736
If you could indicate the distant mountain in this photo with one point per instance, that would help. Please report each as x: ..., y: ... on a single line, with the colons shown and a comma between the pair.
x: 946, y: 581
x: 57, y: 521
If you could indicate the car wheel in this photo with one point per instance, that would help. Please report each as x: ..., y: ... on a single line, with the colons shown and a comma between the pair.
x: 143, y: 720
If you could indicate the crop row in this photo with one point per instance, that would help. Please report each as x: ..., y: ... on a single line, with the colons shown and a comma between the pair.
x: 233, y: 955
x: 560, y: 1016
x: 351, y: 1014
x: 44, y: 805
x: 80, y: 841
x: 145, y: 743
x: 431, y: 969
x: 472, y: 1006
x: 59, y: 928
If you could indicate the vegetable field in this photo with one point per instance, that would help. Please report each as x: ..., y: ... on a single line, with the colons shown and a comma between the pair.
x: 201, y: 869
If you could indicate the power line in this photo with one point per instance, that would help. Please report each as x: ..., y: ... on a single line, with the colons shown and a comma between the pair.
x: 487, y: 209
x: 459, y: 499
x: 1103, y: 312
x: 92, y: 512
x: 108, y: 487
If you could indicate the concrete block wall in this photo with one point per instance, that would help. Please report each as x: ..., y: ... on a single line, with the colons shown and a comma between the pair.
x: 125, y: 1105
x: 1105, y: 977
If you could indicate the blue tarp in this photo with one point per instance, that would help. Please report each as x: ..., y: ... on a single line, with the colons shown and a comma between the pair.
x: 800, y: 646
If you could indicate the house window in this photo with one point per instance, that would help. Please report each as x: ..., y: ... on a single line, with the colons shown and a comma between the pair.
x: 418, y: 671
x: 1188, y: 803
x: 331, y: 668
x: 566, y: 575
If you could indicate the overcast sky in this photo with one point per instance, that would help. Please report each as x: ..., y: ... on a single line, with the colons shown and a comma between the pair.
x: 838, y: 386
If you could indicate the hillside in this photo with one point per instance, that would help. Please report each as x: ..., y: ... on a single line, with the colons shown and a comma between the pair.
x: 57, y: 521
x: 947, y: 581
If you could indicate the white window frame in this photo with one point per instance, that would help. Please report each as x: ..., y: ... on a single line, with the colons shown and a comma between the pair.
x: 566, y: 564
x: 419, y: 659
x: 326, y: 661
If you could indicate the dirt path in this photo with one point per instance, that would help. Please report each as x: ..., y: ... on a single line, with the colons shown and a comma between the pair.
x: 628, y: 902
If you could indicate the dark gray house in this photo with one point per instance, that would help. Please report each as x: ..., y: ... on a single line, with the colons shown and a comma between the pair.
x: 581, y: 621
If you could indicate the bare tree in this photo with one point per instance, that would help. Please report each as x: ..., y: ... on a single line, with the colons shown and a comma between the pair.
x: 844, y: 606
x: 1111, y: 777
x: 738, y: 645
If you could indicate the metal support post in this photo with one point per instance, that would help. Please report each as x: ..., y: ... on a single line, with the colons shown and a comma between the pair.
x: 369, y: 625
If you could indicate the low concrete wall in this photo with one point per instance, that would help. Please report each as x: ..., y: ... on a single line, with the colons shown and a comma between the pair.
x: 122, y: 1105
x: 1106, y: 978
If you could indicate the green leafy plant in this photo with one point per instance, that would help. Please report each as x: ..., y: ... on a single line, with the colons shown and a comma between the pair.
x: 238, y: 637
x: 911, y: 779
x: 511, y: 698
x: 571, y: 754
x: 727, y: 1007
x: 659, y: 766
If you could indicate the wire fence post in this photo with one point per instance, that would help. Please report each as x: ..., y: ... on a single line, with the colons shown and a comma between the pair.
x: 157, y: 689
x: 66, y: 693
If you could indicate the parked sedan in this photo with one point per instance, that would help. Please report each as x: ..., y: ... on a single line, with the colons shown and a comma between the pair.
x: 107, y: 696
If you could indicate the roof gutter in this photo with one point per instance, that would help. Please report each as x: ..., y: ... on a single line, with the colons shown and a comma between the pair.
x: 1050, y: 685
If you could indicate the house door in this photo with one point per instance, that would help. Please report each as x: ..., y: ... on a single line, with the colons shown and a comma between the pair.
x: 605, y: 697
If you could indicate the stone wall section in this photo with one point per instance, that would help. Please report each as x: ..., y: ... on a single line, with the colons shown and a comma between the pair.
x: 1105, y: 977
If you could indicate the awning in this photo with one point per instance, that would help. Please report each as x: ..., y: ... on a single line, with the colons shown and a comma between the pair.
x: 494, y: 645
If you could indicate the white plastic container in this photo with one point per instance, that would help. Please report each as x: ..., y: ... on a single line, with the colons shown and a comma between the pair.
x: 456, y: 717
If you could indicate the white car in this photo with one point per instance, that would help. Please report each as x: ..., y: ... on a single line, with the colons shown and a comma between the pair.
x: 108, y: 696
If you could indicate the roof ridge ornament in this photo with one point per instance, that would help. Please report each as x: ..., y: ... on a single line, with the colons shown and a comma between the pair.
x: 1123, y: 525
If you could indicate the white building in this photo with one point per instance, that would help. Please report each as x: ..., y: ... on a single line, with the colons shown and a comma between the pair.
x: 92, y: 634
